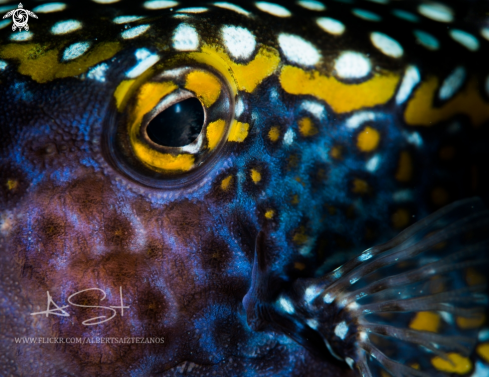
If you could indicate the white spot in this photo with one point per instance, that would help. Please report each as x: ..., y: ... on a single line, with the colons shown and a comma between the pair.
x: 6, y: 222
x: 21, y: 36
x: 366, y: 15
x: 363, y: 336
x: 405, y: 15
x: 413, y: 138
x: 328, y: 299
x: 481, y: 370
x: 314, y: 108
x: 65, y: 27
x: 311, y: 293
x: 193, y: 10
x: 126, y: 19
x: 238, y: 110
x: 352, y: 65
x: 436, y: 12
x: 373, y: 164
x: 447, y: 317
x: 135, y: 31
x: 341, y: 330
x: 105, y: 1
x: 75, y: 50
x: 49, y: 8
x: 298, y: 50
x: 354, y: 280
x: 3, y: 65
x: 386, y: 44
x: 273, y: 9
x: 289, y: 137
x: 160, y: 4
x: 484, y: 32
x: 312, y: 5
x: 410, y: 80
x: 426, y: 40
x: 452, y: 83
x: 330, y: 25
x: 185, y: 38
x: 350, y: 362
x: 465, y: 39
x: 286, y: 305
x: 483, y: 335
x: 356, y: 120
x: 232, y: 7
x: 366, y: 255
x: 239, y: 41
x: 403, y: 195
x: 98, y: 72
x: 312, y: 323
x: 353, y: 306
x: 5, y: 23
x: 145, y: 60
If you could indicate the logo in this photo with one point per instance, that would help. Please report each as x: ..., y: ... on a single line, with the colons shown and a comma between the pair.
x: 20, y: 16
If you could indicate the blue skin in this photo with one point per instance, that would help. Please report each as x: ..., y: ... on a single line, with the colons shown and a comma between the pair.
x: 184, y: 261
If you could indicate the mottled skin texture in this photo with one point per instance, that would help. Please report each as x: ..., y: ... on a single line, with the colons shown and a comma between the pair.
x: 71, y: 220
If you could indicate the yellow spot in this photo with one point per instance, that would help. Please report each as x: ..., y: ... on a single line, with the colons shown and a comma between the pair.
x: 425, y: 321
x: 205, y: 86
x: 439, y: 196
x: 474, y: 278
x: 400, y: 218
x: 421, y: 112
x: 471, y: 323
x: 269, y: 214
x: 214, y: 133
x: 295, y: 199
x: 238, y: 132
x: 255, y: 175
x: 245, y: 77
x: 12, y: 184
x: 43, y: 65
x: 299, y: 266
x: 306, y: 127
x: 341, y: 97
x: 360, y: 186
x: 383, y: 373
x: 414, y: 366
x: 274, y: 133
x: 368, y: 139
x: 483, y: 351
x: 226, y: 182
x: 300, y: 236
x: 336, y: 152
x: 405, y: 168
x: 121, y: 91
x: 457, y: 364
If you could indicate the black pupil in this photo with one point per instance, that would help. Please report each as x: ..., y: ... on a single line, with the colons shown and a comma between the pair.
x: 177, y: 126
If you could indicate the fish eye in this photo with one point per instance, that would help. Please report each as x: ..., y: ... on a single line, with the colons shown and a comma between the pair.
x: 169, y: 128
x: 178, y: 125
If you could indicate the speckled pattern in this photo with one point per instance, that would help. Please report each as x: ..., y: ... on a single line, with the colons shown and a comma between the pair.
x: 330, y: 127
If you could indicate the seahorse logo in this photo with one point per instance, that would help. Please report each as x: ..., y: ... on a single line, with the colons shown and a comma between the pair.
x: 20, y: 16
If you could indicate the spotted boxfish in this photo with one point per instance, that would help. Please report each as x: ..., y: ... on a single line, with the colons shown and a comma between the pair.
x: 286, y: 188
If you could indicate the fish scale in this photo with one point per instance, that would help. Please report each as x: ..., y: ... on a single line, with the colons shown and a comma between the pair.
x: 329, y: 127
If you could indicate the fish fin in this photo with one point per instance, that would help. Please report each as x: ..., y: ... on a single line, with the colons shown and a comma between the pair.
x: 409, y: 307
